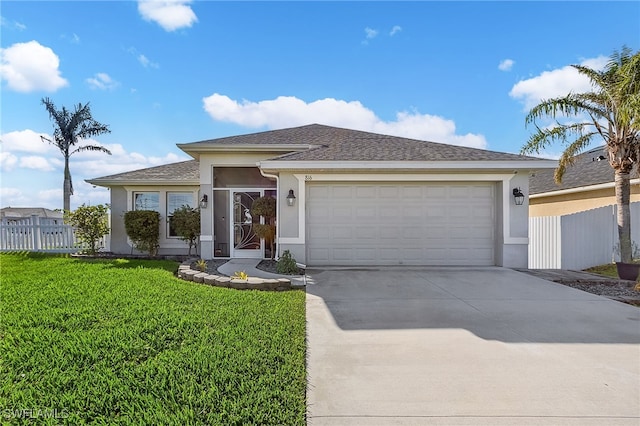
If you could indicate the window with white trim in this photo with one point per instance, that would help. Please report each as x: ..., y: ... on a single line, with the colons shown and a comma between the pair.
x: 146, y: 201
x: 175, y: 200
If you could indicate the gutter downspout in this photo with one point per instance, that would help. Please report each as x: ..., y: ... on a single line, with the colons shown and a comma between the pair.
x: 277, y: 178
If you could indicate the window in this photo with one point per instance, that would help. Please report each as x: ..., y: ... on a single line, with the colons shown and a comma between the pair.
x: 146, y: 201
x: 175, y: 200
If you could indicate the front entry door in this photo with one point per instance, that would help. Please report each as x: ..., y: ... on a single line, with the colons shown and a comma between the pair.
x: 245, y: 241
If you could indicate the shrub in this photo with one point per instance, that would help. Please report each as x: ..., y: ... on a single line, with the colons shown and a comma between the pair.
x: 143, y: 228
x: 201, y: 265
x: 91, y: 224
x: 240, y: 275
x: 287, y: 264
x: 265, y: 207
x: 186, y: 222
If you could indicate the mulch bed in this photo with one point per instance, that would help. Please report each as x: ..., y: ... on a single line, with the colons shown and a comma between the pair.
x: 265, y: 265
x: 623, y: 291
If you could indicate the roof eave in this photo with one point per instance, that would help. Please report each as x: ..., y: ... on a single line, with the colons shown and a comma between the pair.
x: 576, y: 189
x: 142, y: 182
x: 196, y: 150
x: 409, y: 165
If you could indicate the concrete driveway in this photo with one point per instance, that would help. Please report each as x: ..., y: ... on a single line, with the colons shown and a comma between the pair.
x: 474, y: 346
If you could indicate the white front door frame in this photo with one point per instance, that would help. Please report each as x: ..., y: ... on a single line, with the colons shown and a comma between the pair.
x: 240, y: 224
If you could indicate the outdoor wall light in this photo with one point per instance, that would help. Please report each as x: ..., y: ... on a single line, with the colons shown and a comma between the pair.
x: 291, y: 198
x: 203, y: 201
x: 518, y: 196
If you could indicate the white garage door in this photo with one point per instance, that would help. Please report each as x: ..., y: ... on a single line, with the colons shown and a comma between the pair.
x: 424, y: 223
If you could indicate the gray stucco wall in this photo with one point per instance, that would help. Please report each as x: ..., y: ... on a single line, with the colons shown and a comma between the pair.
x: 118, y: 209
x: 119, y: 240
x: 515, y: 255
x: 298, y: 251
x: 289, y: 216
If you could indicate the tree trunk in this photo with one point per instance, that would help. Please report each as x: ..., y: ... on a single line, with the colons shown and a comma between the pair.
x: 66, y: 188
x: 623, y: 191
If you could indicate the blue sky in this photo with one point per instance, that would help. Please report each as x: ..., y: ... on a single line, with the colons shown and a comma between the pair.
x: 166, y: 72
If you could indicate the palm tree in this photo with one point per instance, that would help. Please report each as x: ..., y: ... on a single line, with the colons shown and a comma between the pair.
x: 69, y: 128
x: 610, y: 111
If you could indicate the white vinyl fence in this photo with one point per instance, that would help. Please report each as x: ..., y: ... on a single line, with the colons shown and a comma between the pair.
x: 577, y: 241
x: 41, y: 234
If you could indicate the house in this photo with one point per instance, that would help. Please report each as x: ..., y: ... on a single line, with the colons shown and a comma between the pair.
x: 344, y: 197
x: 587, y: 184
x: 16, y: 213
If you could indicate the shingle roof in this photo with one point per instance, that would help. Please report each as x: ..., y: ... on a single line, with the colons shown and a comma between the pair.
x: 316, y: 142
x: 185, y: 171
x: 15, y: 212
x: 589, y: 168
x: 338, y: 144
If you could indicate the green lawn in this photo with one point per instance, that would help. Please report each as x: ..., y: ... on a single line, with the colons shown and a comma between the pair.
x: 608, y: 270
x: 125, y: 342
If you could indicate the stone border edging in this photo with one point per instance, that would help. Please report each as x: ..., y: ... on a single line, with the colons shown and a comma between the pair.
x: 186, y: 273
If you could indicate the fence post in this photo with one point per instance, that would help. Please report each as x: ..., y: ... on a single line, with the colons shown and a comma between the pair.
x: 35, y: 233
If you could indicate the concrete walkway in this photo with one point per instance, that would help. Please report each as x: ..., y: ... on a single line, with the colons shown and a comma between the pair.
x: 250, y: 267
x: 475, y: 346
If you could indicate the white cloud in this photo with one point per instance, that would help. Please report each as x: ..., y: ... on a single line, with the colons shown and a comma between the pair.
x: 506, y: 65
x: 51, y: 195
x: 7, y: 161
x: 102, y: 81
x: 36, y: 162
x: 395, y: 30
x: 13, y: 25
x: 13, y: 197
x: 289, y: 111
x: 29, y: 67
x: 169, y: 14
x: 7, y: 192
x: 554, y: 83
x: 142, y: 59
x: 370, y: 33
x: 27, y: 141
x: 73, y: 38
x: 146, y: 62
x: 30, y: 167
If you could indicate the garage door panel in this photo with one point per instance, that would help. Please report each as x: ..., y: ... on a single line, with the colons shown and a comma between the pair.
x: 389, y: 232
x: 389, y: 192
x: 364, y: 213
x: 342, y: 192
x: 320, y: 191
x: 410, y: 192
x: 427, y: 223
x: 366, y: 255
x: 482, y: 193
x: 364, y: 233
x: 341, y: 254
x: 483, y: 211
x: 388, y: 214
x: 320, y: 255
x: 367, y: 192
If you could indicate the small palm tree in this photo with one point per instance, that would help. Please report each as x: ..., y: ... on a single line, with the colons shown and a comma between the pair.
x: 69, y: 128
x: 610, y: 111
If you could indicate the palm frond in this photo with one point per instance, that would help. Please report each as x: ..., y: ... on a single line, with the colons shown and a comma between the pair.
x: 91, y: 148
x: 543, y: 138
x: 570, y: 105
x: 571, y: 151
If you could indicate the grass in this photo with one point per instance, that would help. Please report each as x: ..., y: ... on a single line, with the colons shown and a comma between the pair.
x: 608, y: 270
x: 125, y: 342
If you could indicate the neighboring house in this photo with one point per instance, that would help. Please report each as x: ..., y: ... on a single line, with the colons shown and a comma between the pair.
x: 360, y: 198
x: 587, y: 184
x: 14, y: 213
